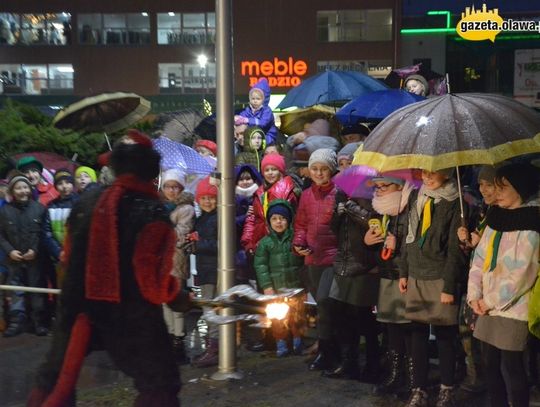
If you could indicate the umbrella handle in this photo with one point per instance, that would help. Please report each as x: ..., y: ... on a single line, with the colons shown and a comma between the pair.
x: 386, y: 253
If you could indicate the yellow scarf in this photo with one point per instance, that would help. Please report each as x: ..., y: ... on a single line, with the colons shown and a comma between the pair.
x: 426, y: 220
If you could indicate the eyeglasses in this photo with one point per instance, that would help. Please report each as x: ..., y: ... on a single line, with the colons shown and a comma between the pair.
x: 382, y: 188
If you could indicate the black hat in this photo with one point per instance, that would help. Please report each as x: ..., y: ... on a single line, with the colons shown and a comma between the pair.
x: 524, y: 178
x: 134, y: 154
x: 63, y: 174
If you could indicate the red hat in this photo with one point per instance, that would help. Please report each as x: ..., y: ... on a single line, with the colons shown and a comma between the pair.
x: 207, y: 144
x: 274, y: 159
x: 104, y: 159
x: 204, y: 188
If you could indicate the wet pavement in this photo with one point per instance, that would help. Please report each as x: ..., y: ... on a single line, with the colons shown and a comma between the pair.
x: 268, y: 381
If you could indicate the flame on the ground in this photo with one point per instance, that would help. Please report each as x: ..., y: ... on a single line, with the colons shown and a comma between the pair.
x: 277, y: 310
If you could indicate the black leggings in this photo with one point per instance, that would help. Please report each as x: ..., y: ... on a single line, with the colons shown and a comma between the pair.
x: 515, y: 376
x: 446, y: 345
x: 399, y: 338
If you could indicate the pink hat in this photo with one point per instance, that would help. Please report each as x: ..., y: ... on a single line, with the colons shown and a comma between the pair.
x: 210, y: 145
x: 274, y: 159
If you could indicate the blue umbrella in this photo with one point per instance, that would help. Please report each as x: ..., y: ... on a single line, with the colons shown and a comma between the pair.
x: 176, y: 155
x: 330, y: 86
x: 375, y: 106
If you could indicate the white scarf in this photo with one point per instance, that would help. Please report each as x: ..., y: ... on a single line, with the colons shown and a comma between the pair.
x: 393, y: 203
x: 246, y: 192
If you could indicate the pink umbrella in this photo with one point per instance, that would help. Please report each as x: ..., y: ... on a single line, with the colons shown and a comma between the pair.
x: 354, y: 181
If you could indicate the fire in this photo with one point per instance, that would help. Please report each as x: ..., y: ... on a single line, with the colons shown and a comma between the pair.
x: 277, y: 310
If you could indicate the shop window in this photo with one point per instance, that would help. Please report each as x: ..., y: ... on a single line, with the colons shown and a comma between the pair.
x: 187, y: 78
x: 35, y: 29
x: 36, y: 79
x: 354, y: 25
x: 186, y: 28
x: 114, y: 29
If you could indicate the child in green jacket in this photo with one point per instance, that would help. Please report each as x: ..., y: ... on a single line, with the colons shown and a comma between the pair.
x: 277, y: 267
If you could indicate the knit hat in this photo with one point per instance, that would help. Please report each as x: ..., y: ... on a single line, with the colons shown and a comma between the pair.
x: 204, y: 188
x: 63, y: 174
x: 347, y: 152
x: 173, y: 174
x: 525, y: 179
x: 274, y: 159
x: 16, y: 178
x: 487, y: 173
x: 279, y: 209
x: 87, y: 170
x: 420, y: 79
x: 26, y: 163
x: 210, y: 145
x: 134, y: 154
x: 324, y: 156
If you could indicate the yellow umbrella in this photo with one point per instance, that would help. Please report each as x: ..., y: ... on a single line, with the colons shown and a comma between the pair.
x: 108, y: 112
x: 293, y: 121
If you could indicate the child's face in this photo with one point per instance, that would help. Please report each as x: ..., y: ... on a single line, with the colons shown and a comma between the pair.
x: 271, y: 174
x: 245, y: 180
x: 352, y: 138
x: 271, y: 150
x: 255, y: 100
x: 204, y: 151
x: 344, y: 163
x: 320, y: 173
x: 507, y: 196
x: 433, y: 180
x: 256, y: 140
x: 83, y: 179
x: 21, y: 192
x: 383, y: 188
x: 208, y: 203
x: 487, y: 189
x: 64, y: 188
x: 415, y: 87
x: 278, y: 223
x: 33, y: 176
x: 171, y: 190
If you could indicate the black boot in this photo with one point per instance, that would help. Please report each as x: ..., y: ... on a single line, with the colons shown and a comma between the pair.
x: 326, y: 357
x: 392, y: 381
x: 348, y: 368
x: 180, y: 350
x: 16, y: 326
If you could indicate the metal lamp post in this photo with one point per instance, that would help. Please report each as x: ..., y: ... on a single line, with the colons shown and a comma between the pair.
x: 226, y: 200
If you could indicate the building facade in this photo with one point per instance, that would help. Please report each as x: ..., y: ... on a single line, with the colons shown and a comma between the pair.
x: 56, y: 51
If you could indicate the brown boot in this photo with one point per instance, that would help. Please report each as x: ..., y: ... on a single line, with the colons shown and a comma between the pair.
x: 210, y: 357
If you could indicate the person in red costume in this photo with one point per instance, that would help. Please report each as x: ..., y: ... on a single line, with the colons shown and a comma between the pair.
x: 118, y: 252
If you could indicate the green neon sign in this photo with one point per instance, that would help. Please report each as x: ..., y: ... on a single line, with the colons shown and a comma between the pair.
x: 445, y: 30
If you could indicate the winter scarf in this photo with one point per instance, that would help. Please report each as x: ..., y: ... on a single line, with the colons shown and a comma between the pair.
x: 246, y: 192
x: 103, y: 267
x: 426, y: 199
x: 393, y: 204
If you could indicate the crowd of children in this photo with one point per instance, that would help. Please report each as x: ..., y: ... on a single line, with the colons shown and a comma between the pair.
x: 402, y: 263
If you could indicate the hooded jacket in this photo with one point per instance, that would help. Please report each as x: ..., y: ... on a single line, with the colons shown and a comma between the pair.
x: 263, y: 118
x: 275, y: 264
x: 251, y: 155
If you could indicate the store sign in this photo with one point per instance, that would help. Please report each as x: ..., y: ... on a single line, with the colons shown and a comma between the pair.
x: 527, y: 76
x: 280, y: 73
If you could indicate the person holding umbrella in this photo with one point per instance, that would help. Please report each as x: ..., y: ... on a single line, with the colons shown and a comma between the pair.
x: 431, y: 266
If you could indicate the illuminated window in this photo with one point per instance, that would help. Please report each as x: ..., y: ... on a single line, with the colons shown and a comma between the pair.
x: 35, y: 29
x: 114, y: 29
x: 42, y: 79
x: 187, y: 78
x: 186, y: 28
x: 354, y: 25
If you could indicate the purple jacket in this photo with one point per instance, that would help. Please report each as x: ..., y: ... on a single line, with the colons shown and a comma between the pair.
x: 263, y: 118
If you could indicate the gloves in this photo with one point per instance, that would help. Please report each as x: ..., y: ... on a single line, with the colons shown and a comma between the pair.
x: 240, y: 120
